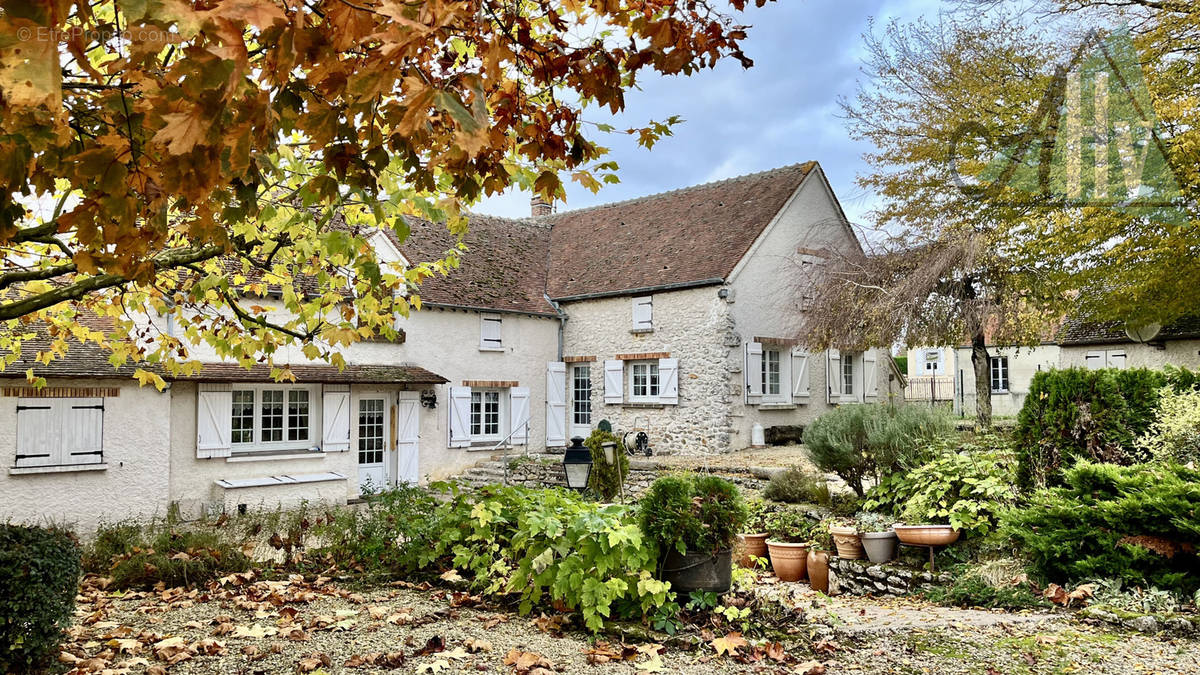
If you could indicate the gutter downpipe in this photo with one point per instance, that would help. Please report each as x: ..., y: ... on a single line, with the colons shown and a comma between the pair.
x: 562, y: 320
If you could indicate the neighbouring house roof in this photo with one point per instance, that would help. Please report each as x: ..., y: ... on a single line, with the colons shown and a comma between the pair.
x: 1080, y: 332
x: 504, y: 267
x: 89, y: 360
x: 690, y: 235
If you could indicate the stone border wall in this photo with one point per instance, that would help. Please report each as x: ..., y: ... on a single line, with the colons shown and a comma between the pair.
x: 861, y: 577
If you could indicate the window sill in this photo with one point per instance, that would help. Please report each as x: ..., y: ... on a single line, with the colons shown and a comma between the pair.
x: 66, y: 468
x: 269, y: 455
x: 491, y: 349
x: 644, y: 404
x: 1000, y: 391
x: 640, y: 331
x: 777, y: 406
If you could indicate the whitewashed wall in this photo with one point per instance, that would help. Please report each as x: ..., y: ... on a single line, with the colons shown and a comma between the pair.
x: 766, y: 302
x: 1185, y: 353
x: 1023, y: 364
x: 135, y: 441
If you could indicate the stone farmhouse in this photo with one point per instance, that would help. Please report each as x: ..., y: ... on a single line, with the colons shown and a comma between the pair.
x: 672, y: 314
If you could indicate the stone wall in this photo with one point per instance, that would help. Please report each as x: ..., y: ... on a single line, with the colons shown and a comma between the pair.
x: 692, y: 325
x: 862, y: 577
x: 543, y: 472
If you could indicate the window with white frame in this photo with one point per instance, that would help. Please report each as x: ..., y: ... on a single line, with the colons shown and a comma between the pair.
x: 999, y: 372
x: 771, y: 373
x: 847, y: 374
x: 271, y: 416
x: 933, y: 361
x: 489, y: 332
x: 643, y: 381
x: 581, y: 394
x: 486, y: 412
x: 59, y: 432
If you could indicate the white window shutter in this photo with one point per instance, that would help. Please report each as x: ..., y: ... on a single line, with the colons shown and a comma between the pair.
x: 800, y: 388
x: 833, y: 375
x: 668, y: 375
x: 489, y: 332
x: 1094, y: 360
x: 870, y: 375
x: 38, y: 437
x: 460, y: 417
x: 643, y: 313
x: 614, y: 381
x: 1116, y: 360
x: 82, y: 431
x: 518, y: 399
x: 214, y: 420
x: 335, y: 418
x: 556, y: 404
x: 754, y: 357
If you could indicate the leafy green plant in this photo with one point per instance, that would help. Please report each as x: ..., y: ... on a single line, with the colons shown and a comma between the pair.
x: 1113, y: 594
x: 39, y: 576
x: 142, y: 555
x: 964, y: 485
x: 860, y: 442
x: 820, y: 537
x: 551, y: 545
x: 666, y: 618
x: 606, y: 479
x: 702, y: 600
x: 869, y: 521
x: 789, y: 525
x: 394, y: 533
x: 692, y: 512
x: 971, y: 587
x: 794, y: 485
x: 1174, y: 435
x: 757, y: 515
x: 1139, y: 524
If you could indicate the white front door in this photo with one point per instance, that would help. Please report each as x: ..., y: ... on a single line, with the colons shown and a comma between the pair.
x: 580, y: 413
x: 407, y: 444
x: 372, y: 443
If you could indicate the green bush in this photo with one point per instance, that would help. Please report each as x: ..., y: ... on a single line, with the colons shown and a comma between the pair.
x: 551, y: 544
x: 607, y: 479
x: 973, y: 587
x: 692, y: 512
x: 394, y: 533
x: 1174, y: 435
x: 175, y: 554
x: 1139, y: 524
x: 861, y: 442
x: 39, y: 577
x: 1097, y: 415
x: 964, y: 485
x: 794, y: 485
x: 790, y: 525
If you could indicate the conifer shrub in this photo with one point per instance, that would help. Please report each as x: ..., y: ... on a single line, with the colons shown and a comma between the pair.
x: 1139, y: 524
x: 39, y: 576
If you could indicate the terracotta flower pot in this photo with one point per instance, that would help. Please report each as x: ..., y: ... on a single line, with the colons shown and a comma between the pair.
x: 849, y: 546
x: 750, y: 546
x: 926, y: 535
x: 789, y: 561
x: 818, y: 570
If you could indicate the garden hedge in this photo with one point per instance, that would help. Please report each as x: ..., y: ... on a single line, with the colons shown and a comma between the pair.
x: 1140, y: 524
x: 1074, y: 413
x: 39, y: 576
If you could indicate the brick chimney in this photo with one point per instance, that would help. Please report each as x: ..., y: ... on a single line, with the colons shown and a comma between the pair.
x: 539, y: 206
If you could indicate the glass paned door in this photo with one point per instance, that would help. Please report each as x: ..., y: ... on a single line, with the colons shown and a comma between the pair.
x: 581, y: 400
x: 372, y: 443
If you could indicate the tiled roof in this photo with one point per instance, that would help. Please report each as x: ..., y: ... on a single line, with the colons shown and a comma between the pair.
x: 504, y: 267
x: 1080, y: 332
x: 688, y: 235
x: 87, y: 360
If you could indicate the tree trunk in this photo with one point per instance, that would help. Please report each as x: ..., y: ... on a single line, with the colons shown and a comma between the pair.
x: 983, y: 381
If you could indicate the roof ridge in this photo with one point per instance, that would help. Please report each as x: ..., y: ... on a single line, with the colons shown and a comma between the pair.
x: 686, y: 188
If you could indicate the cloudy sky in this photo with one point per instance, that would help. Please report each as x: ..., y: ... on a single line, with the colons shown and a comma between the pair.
x: 807, y: 54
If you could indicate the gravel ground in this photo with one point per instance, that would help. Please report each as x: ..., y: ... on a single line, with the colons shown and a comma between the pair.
x: 305, y: 626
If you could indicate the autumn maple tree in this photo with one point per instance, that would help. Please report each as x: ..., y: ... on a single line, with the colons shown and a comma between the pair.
x: 225, y: 163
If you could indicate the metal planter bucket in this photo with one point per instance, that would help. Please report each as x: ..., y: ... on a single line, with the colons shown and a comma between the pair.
x: 698, y: 571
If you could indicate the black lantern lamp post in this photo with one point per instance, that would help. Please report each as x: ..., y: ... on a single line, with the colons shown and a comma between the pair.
x: 577, y: 465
